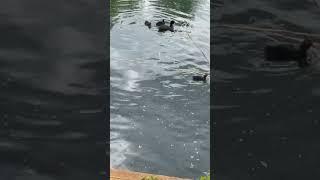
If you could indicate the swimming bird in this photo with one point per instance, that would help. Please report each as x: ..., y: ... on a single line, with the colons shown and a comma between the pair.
x: 200, y: 78
x: 147, y: 23
x: 164, y: 27
x: 289, y: 52
x: 160, y: 23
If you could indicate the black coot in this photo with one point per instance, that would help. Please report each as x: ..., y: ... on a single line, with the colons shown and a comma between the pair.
x: 288, y: 52
x: 200, y: 78
x: 147, y: 23
x: 164, y: 27
x: 160, y: 23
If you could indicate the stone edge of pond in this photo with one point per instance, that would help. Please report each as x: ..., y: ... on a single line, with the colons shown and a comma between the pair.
x: 120, y: 174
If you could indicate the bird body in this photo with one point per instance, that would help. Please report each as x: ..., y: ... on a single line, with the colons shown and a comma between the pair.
x: 200, y: 78
x: 288, y: 52
x: 160, y: 23
x: 147, y: 23
x: 281, y: 52
x: 164, y: 27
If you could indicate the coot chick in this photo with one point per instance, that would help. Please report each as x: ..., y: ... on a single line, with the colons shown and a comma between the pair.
x: 147, y: 23
x: 164, y: 27
x: 200, y: 78
x: 160, y: 23
x: 288, y: 52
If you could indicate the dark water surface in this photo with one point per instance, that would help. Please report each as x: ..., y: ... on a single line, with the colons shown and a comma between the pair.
x: 52, y: 70
x: 159, y: 116
x: 267, y: 114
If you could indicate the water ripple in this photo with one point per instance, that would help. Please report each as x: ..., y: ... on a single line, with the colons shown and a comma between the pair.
x: 155, y: 106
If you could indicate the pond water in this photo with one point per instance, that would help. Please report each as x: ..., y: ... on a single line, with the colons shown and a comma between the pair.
x: 52, y: 76
x: 266, y: 113
x: 159, y: 116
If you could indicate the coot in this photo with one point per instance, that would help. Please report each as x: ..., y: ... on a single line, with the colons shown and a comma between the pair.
x: 164, y: 27
x: 147, y: 23
x: 200, y: 78
x: 289, y: 52
x: 160, y: 23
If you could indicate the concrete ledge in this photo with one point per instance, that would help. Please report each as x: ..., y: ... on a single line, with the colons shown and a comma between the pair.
x: 116, y: 174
